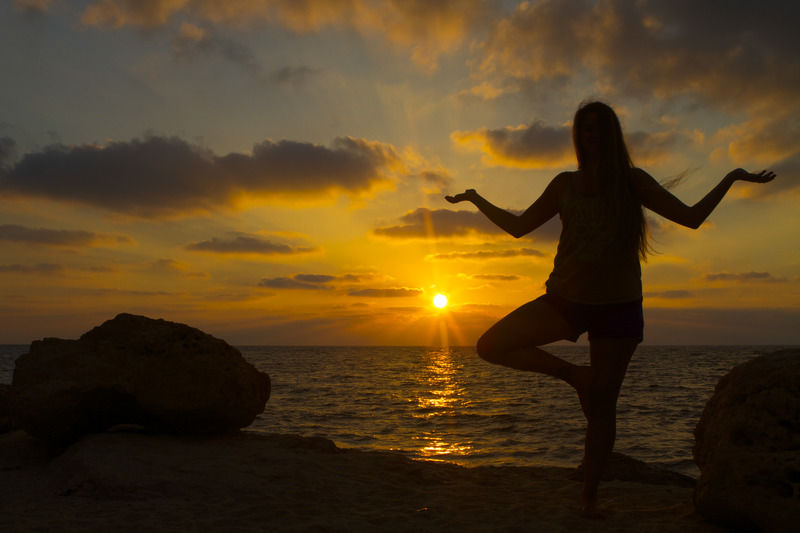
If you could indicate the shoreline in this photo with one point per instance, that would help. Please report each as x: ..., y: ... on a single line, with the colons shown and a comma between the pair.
x: 252, y: 481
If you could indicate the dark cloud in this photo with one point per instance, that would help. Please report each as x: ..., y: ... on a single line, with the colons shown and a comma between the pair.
x: 311, y: 281
x: 241, y: 243
x: 495, y: 277
x: 532, y: 146
x: 487, y: 254
x: 293, y: 76
x: 744, y: 277
x: 425, y: 29
x: 160, y: 175
x: 290, y: 283
x: 402, y: 292
x: 436, y: 179
x: 439, y: 223
x: 7, y: 151
x: 669, y: 294
x: 651, y: 148
x: 650, y: 47
x: 427, y: 223
x: 541, y: 146
x: 193, y: 42
x: 54, y: 237
x: 33, y: 7
x: 41, y: 268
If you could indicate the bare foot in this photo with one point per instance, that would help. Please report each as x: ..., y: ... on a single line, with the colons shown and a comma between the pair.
x: 590, y: 510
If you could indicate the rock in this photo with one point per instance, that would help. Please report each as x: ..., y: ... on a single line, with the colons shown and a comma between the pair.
x: 625, y: 468
x: 5, y: 409
x: 135, y: 370
x: 747, y: 446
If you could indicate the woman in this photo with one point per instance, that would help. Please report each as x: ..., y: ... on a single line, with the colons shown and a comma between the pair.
x: 595, y: 285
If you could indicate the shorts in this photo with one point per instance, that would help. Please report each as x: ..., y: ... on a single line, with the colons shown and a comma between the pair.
x: 602, y: 321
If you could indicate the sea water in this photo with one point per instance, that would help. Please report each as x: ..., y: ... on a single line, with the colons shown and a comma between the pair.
x: 447, y: 404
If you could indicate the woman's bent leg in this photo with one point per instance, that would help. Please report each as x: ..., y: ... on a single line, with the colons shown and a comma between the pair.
x: 514, y: 342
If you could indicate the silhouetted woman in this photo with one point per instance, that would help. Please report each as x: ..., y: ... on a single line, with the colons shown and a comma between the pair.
x: 595, y: 285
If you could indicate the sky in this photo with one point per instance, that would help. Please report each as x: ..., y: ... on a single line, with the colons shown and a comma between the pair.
x: 273, y: 171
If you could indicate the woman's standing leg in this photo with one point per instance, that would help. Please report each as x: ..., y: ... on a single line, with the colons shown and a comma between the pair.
x: 610, y: 358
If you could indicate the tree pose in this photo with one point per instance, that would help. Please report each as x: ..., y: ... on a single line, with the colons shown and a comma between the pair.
x: 595, y: 285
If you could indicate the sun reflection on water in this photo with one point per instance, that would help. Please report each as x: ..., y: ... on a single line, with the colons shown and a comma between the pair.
x: 441, y: 396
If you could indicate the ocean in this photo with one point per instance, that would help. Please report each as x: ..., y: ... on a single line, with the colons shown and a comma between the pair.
x: 446, y: 404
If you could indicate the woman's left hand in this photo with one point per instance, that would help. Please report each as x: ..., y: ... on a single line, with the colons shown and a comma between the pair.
x: 762, y: 177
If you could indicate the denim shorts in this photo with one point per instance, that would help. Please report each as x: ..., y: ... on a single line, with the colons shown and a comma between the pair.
x: 602, y: 321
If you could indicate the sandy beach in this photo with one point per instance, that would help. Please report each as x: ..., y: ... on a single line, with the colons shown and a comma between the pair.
x: 129, y: 481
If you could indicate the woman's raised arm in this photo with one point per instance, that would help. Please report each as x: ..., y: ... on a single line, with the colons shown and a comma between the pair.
x: 659, y: 200
x: 542, y: 210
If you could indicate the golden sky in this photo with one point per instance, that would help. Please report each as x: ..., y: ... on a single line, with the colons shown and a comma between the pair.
x: 273, y: 171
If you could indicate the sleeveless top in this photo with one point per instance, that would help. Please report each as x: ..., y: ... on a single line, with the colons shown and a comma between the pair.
x: 589, y: 266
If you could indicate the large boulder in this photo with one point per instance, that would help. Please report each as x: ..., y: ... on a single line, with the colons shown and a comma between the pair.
x: 135, y: 370
x: 748, y: 446
x: 6, y: 423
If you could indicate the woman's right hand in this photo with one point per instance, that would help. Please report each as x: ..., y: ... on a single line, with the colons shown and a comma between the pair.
x: 467, y: 196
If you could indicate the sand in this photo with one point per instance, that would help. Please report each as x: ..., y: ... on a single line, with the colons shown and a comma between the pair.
x: 130, y: 481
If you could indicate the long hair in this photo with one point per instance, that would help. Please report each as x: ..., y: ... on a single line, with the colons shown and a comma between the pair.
x: 615, y: 166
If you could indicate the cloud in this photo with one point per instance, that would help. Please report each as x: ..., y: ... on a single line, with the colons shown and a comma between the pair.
x: 540, y: 146
x: 424, y: 30
x: 7, y: 151
x: 193, y: 42
x: 495, y: 277
x: 311, y: 281
x: 437, y: 223
x: 653, y: 148
x: 37, y: 7
x: 653, y: 48
x: 55, y: 237
x: 291, y: 283
x: 293, y: 76
x: 243, y: 243
x: 766, y: 142
x: 424, y: 223
x: 668, y: 294
x: 119, y: 13
x: 402, y: 292
x: 486, y: 254
x: 167, y: 176
x: 744, y: 277
x: 173, y: 267
x: 41, y: 268
x: 532, y: 146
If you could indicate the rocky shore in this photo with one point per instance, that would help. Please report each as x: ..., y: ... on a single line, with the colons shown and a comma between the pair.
x: 127, y: 480
x: 136, y: 426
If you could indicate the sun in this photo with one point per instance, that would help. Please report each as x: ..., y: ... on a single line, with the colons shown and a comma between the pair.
x: 440, y: 300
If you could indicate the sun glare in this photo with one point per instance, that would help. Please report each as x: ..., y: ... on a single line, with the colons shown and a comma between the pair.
x: 440, y: 300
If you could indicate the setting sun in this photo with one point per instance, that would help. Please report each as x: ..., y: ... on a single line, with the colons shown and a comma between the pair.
x: 440, y: 300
